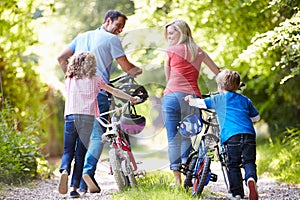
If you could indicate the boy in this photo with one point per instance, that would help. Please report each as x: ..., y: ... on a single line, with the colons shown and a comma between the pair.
x: 235, y: 115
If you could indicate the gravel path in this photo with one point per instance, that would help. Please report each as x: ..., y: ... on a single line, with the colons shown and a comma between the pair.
x: 268, y: 188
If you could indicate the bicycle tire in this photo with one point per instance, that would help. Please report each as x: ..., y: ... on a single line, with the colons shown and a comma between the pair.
x: 115, y: 163
x: 202, y: 174
x: 128, y: 171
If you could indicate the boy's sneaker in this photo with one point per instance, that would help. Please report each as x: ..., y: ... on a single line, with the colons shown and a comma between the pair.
x: 63, y: 182
x: 231, y: 197
x: 91, y: 183
x: 253, y: 195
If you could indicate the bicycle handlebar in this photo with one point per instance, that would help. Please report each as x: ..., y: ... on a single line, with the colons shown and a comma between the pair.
x: 114, y: 111
x: 122, y: 78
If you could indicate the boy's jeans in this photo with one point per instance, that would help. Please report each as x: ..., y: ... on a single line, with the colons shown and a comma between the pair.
x: 241, y: 151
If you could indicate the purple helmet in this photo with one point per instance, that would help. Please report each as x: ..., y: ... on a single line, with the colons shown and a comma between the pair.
x: 131, y: 123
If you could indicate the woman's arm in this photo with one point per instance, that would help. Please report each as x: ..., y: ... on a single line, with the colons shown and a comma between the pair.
x: 167, y: 67
x: 211, y: 64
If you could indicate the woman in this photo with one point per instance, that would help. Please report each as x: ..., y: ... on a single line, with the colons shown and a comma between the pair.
x: 182, y: 67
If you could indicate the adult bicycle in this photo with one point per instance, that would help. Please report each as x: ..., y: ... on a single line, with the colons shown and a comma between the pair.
x: 197, y: 167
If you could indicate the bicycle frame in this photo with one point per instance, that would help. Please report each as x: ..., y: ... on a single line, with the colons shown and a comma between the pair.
x: 122, y: 162
x: 197, y: 167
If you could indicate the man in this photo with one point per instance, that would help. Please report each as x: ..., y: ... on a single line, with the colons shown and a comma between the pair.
x: 106, y: 46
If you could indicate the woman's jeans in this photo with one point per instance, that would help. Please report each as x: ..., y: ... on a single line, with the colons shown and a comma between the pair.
x: 77, y: 132
x: 241, y: 151
x: 174, y: 109
x: 96, y: 145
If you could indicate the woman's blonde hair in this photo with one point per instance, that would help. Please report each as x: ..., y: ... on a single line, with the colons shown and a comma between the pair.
x: 185, y: 37
x: 82, y: 65
x: 228, y: 80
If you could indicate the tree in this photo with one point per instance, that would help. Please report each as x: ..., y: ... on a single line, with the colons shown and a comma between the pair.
x: 22, y: 98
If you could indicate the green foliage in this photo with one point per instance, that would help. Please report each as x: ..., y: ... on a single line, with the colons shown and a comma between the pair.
x: 23, y: 128
x: 88, y: 14
x: 19, y: 80
x: 283, y: 160
x: 20, y: 159
x: 273, y: 61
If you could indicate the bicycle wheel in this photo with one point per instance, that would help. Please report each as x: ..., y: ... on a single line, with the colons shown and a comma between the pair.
x: 115, y: 163
x: 189, y: 168
x: 128, y: 171
x: 202, y: 175
x: 224, y: 167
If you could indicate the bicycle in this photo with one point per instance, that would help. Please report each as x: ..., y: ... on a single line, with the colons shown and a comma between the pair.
x: 197, y: 167
x: 122, y: 162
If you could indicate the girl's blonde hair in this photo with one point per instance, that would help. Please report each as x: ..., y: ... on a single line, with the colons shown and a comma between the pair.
x: 228, y: 80
x: 185, y: 37
x: 82, y: 65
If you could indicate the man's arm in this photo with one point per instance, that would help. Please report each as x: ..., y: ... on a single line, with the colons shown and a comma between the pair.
x: 63, y: 58
x: 128, y: 67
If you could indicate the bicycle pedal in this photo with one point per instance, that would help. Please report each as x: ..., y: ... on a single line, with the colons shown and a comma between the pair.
x: 139, y: 162
x: 213, y: 177
x: 140, y: 173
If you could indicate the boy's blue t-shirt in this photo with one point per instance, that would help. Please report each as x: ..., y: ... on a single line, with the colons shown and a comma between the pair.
x: 106, y: 47
x: 234, y: 113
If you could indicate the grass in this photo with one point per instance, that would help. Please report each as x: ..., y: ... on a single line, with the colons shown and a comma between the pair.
x: 156, y: 186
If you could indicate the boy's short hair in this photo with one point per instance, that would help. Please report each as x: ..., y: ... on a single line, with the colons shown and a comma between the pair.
x: 228, y: 80
x: 82, y: 65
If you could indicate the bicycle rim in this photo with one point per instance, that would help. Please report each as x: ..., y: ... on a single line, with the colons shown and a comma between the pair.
x: 202, y: 174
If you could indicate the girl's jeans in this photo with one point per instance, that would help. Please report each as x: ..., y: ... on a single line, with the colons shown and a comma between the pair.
x: 241, y: 151
x: 77, y: 132
x: 174, y: 109
x: 96, y: 145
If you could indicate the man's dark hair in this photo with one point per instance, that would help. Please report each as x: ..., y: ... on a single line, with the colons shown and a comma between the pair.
x: 114, y: 14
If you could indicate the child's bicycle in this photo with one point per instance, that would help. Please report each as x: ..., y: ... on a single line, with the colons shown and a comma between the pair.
x: 197, y: 166
x: 123, y: 122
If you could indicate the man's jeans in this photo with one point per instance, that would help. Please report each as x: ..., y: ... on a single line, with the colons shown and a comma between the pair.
x: 174, y: 109
x: 241, y: 151
x: 96, y: 146
x: 77, y: 132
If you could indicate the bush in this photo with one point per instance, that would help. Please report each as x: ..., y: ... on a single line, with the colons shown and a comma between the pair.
x: 20, y: 159
x: 283, y: 155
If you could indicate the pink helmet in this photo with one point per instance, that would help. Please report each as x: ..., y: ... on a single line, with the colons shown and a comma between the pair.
x: 131, y: 123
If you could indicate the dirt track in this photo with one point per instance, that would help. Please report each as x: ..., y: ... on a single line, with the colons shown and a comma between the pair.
x: 268, y: 188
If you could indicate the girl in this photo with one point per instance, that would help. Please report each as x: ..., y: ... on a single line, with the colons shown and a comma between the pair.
x: 81, y: 108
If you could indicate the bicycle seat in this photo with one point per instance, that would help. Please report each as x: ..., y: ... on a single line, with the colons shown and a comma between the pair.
x: 108, y: 135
